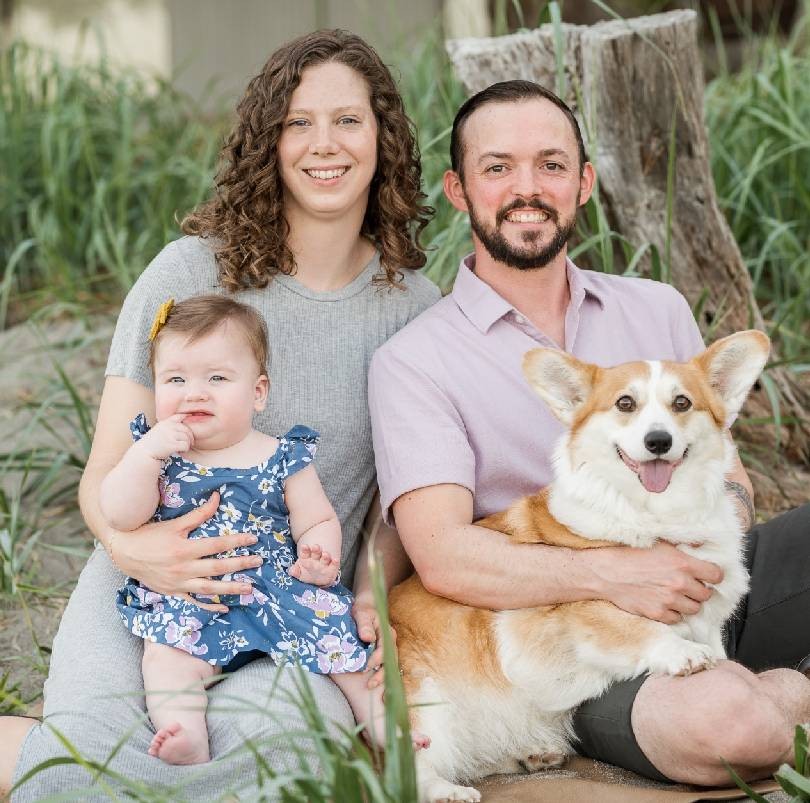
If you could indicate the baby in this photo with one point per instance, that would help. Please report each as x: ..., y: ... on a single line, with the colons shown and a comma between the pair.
x: 208, y: 357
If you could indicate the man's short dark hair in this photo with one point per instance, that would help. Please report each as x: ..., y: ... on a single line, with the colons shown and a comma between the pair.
x: 508, y: 92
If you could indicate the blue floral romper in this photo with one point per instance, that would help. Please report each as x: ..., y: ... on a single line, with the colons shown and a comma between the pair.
x: 282, y: 616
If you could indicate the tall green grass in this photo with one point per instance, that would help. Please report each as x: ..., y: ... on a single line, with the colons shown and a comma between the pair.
x: 94, y: 165
x: 759, y: 128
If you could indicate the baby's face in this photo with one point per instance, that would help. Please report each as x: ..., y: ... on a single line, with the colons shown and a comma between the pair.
x: 215, y: 381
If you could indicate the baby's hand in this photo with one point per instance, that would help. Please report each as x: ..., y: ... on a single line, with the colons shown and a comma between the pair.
x: 315, y: 566
x: 169, y: 436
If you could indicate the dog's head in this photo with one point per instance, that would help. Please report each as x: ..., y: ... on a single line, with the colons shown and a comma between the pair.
x: 639, y: 422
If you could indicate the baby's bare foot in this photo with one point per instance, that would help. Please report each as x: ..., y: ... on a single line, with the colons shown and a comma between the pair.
x: 173, y: 745
x: 374, y: 734
x: 315, y: 566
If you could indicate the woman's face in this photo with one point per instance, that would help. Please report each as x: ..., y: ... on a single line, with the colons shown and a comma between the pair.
x: 328, y: 146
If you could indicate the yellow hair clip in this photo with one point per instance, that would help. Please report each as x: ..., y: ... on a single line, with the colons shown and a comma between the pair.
x: 161, y: 316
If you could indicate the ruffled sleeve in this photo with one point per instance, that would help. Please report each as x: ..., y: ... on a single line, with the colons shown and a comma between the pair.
x: 298, y: 448
x: 138, y: 427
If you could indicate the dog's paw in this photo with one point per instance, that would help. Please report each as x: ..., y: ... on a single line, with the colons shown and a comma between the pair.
x: 681, y: 657
x: 440, y: 791
x: 543, y: 761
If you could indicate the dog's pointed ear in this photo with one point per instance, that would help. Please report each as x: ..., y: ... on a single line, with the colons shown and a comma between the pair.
x: 561, y: 381
x: 733, y: 364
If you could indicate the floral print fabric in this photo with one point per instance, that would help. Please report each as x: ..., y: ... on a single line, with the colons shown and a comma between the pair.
x: 283, y: 617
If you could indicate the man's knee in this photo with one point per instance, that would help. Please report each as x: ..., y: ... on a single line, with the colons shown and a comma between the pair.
x: 689, y: 727
x: 743, y: 726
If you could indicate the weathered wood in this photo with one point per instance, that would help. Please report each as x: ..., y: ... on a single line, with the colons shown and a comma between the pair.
x: 629, y: 81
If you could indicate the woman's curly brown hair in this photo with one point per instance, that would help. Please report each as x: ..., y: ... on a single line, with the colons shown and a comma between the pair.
x: 245, y: 218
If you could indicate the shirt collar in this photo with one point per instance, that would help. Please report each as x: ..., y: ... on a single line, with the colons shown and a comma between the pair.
x: 483, y: 306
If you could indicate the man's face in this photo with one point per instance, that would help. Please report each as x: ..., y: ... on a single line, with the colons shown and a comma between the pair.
x: 522, y: 181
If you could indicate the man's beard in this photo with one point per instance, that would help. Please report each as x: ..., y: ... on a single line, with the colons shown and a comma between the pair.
x: 533, y: 255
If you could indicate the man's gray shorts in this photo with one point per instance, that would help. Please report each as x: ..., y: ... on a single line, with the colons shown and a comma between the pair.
x: 769, y: 630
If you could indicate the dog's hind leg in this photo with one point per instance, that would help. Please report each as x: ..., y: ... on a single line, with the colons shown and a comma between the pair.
x: 509, y: 766
x: 543, y: 761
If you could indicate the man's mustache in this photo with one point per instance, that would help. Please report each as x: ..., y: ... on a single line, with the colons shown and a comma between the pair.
x: 518, y: 203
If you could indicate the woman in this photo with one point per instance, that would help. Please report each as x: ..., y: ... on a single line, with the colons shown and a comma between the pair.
x: 315, y: 222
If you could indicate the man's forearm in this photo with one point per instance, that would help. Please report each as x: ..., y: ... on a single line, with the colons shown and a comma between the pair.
x: 741, y: 491
x: 483, y: 568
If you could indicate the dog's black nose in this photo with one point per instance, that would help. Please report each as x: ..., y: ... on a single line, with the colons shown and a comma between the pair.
x: 658, y: 441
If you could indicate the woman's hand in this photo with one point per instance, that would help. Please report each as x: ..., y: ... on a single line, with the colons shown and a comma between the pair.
x: 162, y: 557
x: 369, y: 629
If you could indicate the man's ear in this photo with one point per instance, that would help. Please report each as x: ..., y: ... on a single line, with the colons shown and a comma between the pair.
x: 560, y: 380
x: 261, y: 391
x: 454, y: 190
x: 733, y: 364
x: 586, y: 183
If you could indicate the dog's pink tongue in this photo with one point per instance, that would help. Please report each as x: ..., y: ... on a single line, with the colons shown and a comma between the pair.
x: 655, y: 475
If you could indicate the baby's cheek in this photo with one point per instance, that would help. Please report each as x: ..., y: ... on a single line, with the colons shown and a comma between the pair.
x: 166, y: 403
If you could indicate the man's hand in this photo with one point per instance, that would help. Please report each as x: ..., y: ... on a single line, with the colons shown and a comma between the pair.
x: 662, y: 583
x: 167, y: 437
x: 370, y: 630
x: 162, y: 557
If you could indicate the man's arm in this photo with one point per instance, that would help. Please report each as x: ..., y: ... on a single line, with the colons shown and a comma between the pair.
x: 741, y: 491
x: 480, y: 567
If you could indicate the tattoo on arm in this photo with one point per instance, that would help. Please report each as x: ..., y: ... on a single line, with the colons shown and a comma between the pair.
x: 742, y: 496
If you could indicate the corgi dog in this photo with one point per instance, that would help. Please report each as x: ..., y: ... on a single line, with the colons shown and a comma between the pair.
x: 643, y: 459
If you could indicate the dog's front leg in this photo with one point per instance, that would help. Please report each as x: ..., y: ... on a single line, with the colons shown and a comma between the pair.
x: 433, y: 788
x: 624, y: 645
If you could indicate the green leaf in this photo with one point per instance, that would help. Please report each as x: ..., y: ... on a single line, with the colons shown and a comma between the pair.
x: 743, y: 785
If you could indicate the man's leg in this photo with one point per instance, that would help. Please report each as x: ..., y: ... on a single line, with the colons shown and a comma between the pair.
x: 687, y: 726
x: 678, y: 728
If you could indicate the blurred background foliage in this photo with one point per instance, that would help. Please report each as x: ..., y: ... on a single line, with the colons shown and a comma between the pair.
x: 98, y: 162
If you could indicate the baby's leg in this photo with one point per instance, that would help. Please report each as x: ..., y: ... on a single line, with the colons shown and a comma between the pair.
x: 368, y: 708
x: 176, y: 700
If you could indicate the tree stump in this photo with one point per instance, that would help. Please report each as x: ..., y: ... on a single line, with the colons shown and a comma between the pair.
x: 629, y: 82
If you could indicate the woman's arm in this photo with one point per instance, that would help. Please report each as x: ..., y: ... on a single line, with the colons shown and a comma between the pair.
x: 158, y: 554
x: 382, y: 544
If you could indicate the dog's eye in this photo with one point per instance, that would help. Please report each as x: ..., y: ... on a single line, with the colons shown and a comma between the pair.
x: 681, y: 404
x: 626, y: 404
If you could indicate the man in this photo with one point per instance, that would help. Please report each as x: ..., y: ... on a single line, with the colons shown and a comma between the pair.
x: 458, y: 434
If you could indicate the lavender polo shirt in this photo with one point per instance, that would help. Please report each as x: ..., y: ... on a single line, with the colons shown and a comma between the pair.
x: 449, y: 403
